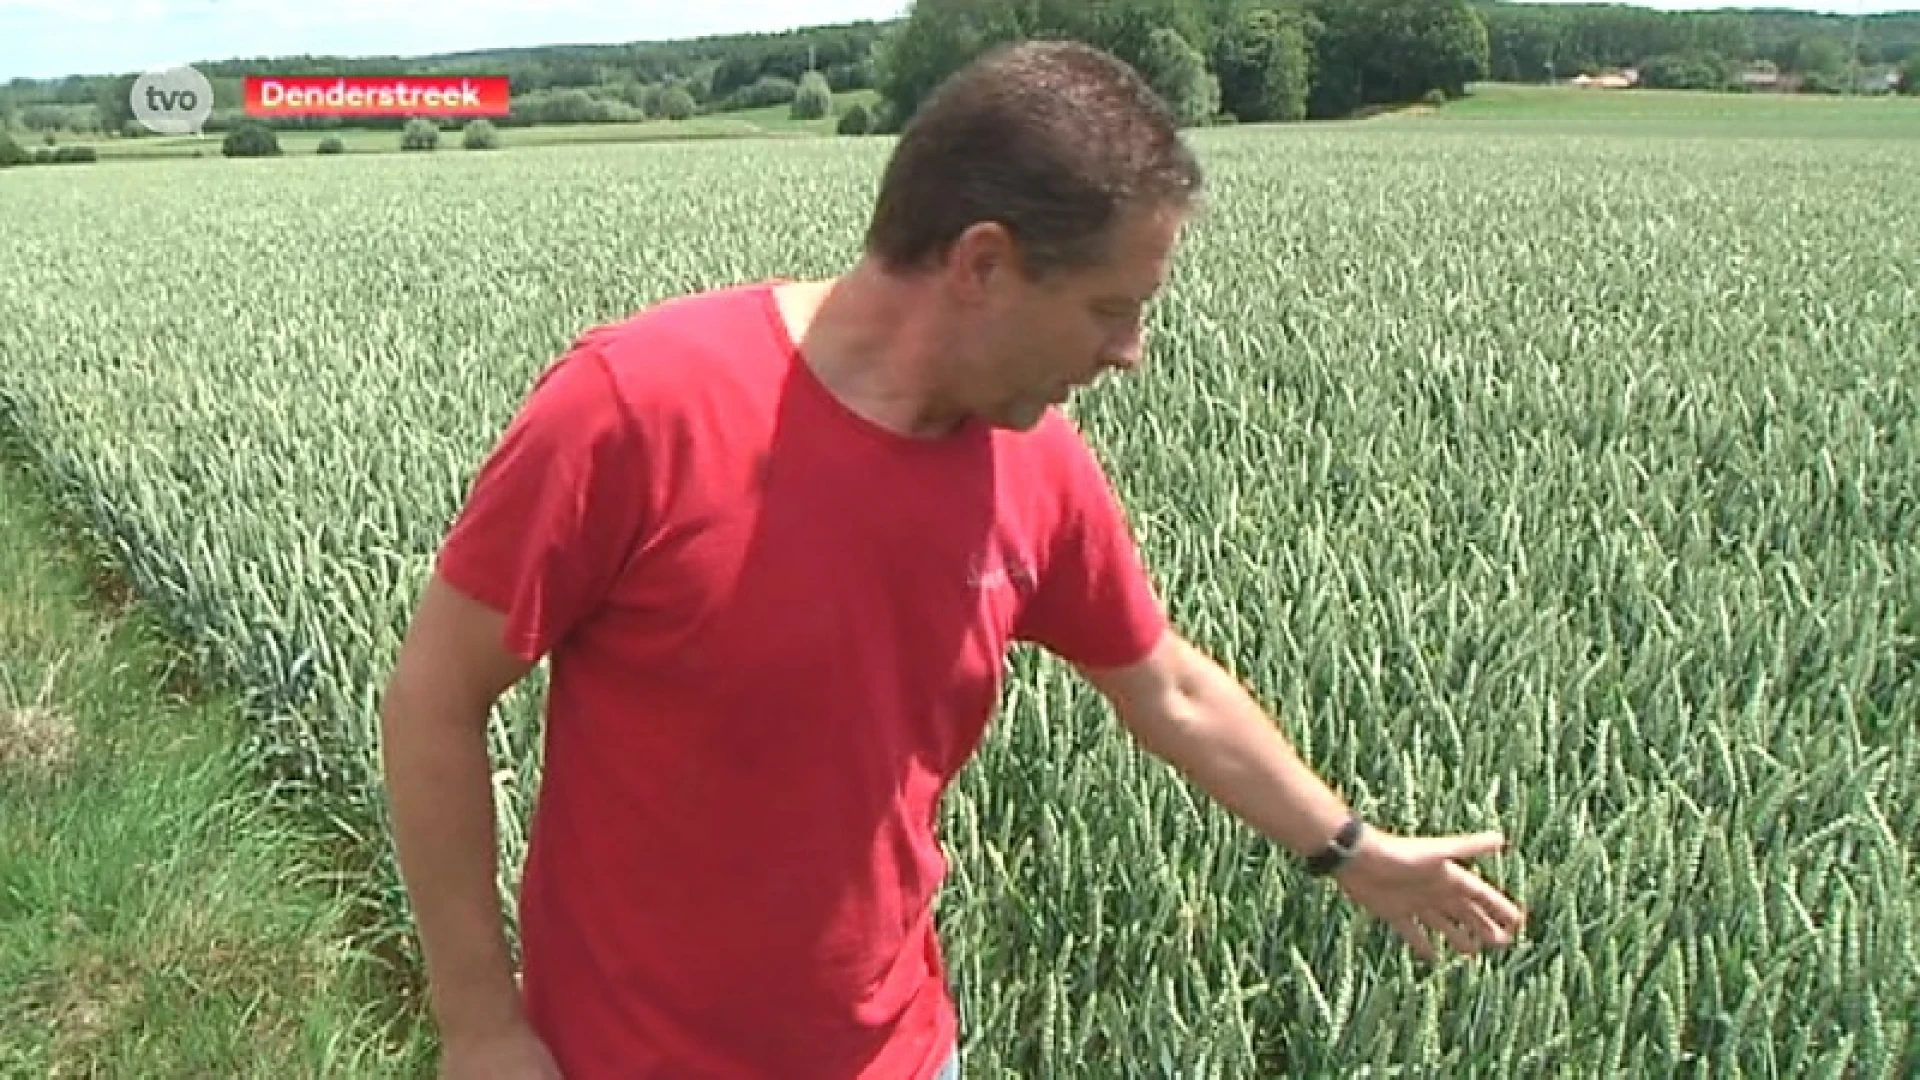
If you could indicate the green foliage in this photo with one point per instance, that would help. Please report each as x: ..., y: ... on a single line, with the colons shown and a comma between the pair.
x: 331, y: 145
x: 1178, y: 73
x: 768, y: 90
x: 113, y: 105
x: 1822, y: 63
x: 250, y: 138
x: 1128, y: 28
x: 420, y: 134
x: 856, y: 120
x: 573, y: 106
x: 936, y: 40
x: 1534, y: 43
x: 1687, y: 71
x: 1264, y: 60
x: 886, y: 118
x: 677, y: 104
x: 813, y: 98
x: 480, y: 134
x: 1910, y: 75
x: 1259, y: 61
x: 52, y: 118
x: 12, y: 153
x: 1393, y: 51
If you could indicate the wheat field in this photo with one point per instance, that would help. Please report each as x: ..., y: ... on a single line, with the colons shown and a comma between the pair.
x: 1566, y: 485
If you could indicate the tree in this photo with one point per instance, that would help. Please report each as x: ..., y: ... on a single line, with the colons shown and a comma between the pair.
x: 937, y: 39
x: 855, y: 121
x: 1128, y: 28
x: 113, y: 105
x: 1264, y: 63
x: 12, y: 153
x: 1822, y: 62
x: 420, y: 134
x: 1686, y: 71
x: 47, y: 118
x: 813, y: 98
x: 250, y: 138
x: 480, y: 134
x: 1392, y: 51
x: 677, y: 104
x: 766, y: 91
x: 1910, y: 75
x: 1178, y: 73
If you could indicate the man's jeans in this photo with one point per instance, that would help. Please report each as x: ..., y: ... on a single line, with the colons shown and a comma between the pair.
x: 951, y: 1070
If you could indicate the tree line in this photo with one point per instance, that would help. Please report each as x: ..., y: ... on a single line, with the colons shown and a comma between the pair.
x: 1214, y: 60
x: 1707, y: 50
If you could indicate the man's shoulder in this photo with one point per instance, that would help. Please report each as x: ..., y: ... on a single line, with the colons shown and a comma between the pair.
x: 687, y: 349
x: 707, y: 325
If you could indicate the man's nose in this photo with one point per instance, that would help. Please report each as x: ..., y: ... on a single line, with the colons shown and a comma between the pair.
x: 1130, y: 351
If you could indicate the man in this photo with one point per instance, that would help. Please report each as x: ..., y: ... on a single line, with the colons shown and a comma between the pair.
x: 775, y: 541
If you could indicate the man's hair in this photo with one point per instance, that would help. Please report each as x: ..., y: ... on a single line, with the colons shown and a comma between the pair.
x: 1052, y: 139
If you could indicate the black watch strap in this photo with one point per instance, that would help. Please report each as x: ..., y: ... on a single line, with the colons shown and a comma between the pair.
x: 1335, y: 855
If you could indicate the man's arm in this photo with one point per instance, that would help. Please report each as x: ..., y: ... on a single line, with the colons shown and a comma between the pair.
x: 1182, y: 707
x: 451, y: 670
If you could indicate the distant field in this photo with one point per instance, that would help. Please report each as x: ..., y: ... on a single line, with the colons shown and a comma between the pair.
x: 1546, y: 465
x: 1522, y: 110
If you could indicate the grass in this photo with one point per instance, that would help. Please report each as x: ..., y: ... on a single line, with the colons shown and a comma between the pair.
x: 156, y: 918
x: 1506, y: 109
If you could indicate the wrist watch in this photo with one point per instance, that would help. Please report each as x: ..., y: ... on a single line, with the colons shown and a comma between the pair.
x: 1336, y: 854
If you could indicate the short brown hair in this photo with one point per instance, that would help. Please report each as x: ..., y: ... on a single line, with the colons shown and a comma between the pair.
x: 1050, y: 138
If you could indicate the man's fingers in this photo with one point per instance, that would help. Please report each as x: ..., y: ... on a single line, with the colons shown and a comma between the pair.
x: 1458, y: 938
x: 1477, y: 922
x: 1489, y: 899
x: 1415, y: 936
x: 1466, y: 847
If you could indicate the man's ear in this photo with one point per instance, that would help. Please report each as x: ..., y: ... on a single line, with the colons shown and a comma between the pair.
x: 979, y: 259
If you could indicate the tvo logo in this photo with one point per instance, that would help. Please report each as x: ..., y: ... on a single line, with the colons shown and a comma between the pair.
x: 172, y: 101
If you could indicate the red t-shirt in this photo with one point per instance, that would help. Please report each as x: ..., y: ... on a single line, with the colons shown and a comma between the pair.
x: 775, y: 632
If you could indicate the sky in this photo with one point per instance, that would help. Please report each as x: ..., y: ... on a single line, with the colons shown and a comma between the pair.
x: 50, y: 38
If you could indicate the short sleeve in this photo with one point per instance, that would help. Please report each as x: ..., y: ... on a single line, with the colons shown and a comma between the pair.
x: 554, y: 509
x: 1094, y: 605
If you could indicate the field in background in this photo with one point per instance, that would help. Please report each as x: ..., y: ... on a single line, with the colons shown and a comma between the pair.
x: 1561, y: 485
x: 1497, y: 109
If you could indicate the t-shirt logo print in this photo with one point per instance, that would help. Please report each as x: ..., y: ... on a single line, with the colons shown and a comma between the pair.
x: 997, y: 570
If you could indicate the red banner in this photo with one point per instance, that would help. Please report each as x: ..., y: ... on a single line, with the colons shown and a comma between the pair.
x: 376, y: 95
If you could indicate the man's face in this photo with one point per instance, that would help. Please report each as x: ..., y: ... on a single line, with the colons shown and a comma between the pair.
x: 1042, y: 340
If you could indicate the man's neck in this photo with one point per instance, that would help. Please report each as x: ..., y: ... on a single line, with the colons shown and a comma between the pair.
x: 870, y: 339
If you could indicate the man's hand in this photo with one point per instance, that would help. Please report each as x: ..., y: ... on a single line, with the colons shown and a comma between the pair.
x: 512, y: 1053
x: 1184, y: 708
x: 1413, y: 884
